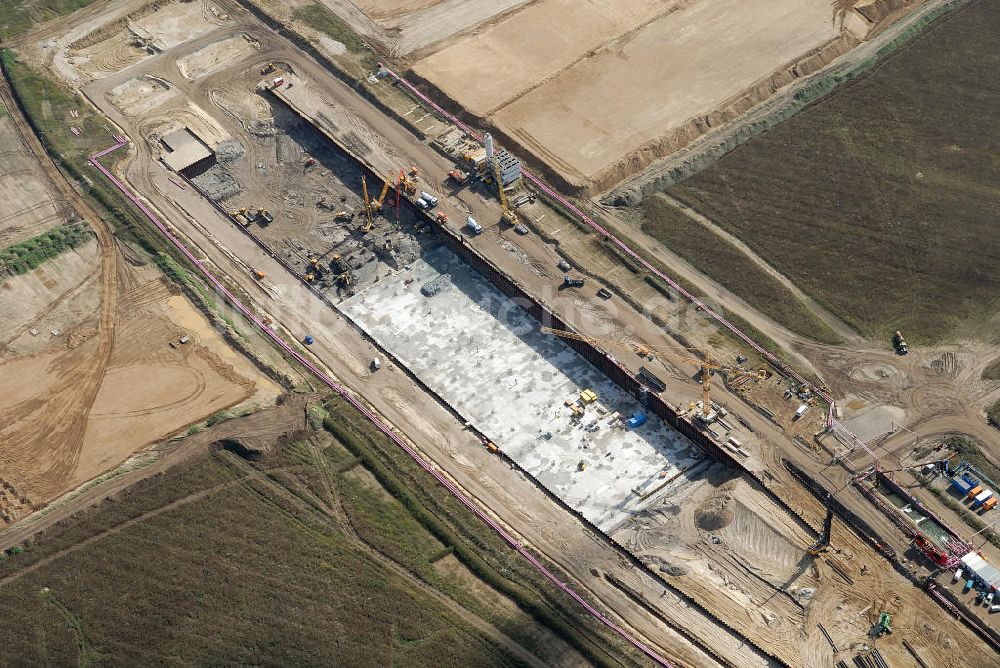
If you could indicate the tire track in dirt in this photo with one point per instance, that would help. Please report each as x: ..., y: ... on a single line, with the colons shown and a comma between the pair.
x: 63, y: 420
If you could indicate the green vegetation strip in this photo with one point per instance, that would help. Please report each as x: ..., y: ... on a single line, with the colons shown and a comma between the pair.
x: 25, y: 256
x: 319, y: 17
x: 19, y: 16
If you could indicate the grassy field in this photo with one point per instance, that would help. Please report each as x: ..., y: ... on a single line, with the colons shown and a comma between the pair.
x: 25, y: 256
x: 881, y: 200
x: 18, y: 16
x: 733, y: 269
x: 301, y: 558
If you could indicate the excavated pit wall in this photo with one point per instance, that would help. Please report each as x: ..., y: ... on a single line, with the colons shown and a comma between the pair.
x: 604, y: 362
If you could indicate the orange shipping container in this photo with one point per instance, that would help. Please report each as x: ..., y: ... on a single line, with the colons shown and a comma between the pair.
x: 975, y: 490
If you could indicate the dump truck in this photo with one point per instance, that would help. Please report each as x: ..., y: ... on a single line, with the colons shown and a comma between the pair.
x: 458, y: 176
x: 570, y: 282
x: 264, y: 217
x: 441, y: 218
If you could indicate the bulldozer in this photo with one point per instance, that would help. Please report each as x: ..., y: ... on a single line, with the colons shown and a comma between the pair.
x: 267, y: 69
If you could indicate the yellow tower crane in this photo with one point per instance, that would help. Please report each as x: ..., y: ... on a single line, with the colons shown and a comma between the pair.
x: 508, y: 215
x: 368, y: 204
x: 377, y: 204
x: 706, y: 364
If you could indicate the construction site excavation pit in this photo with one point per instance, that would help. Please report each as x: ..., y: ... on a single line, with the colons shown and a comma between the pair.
x: 486, y: 357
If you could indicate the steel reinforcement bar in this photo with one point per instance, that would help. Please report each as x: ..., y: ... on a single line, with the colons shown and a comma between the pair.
x: 364, y: 410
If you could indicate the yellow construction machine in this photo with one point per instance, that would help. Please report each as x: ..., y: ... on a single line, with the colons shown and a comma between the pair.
x: 377, y: 204
x: 368, y: 205
x: 508, y: 215
x: 706, y: 364
x: 408, y: 185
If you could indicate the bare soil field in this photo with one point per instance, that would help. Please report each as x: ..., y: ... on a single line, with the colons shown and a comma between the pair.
x: 617, y: 87
x: 152, y: 387
x: 880, y: 202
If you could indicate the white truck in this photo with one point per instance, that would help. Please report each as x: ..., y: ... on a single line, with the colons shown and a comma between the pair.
x: 473, y: 226
x: 429, y: 198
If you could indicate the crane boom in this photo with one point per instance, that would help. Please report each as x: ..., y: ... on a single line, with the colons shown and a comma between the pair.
x: 508, y: 215
x: 368, y: 204
x: 377, y: 205
x: 706, y: 364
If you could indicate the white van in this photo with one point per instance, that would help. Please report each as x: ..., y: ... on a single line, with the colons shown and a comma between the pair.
x: 376, y: 364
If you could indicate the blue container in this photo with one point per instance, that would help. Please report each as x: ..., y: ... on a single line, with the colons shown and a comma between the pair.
x: 636, y: 420
x: 961, y: 485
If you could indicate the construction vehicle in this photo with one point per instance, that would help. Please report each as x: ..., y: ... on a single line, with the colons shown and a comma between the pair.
x: 368, y: 205
x: 377, y: 204
x: 258, y: 274
x: 310, y: 277
x: 507, y: 215
x: 882, y: 627
x: 267, y: 69
x: 441, y: 218
x: 249, y: 215
x: 344, y: 279
x: 414, y: 173
x: 569, y: 282
x: 308, y: 340
x: 310, y: 161
x: 898, y: 344
x: 409, y: 187
x: 473, y: 226
x: 240, y: 217
x: 264, y: 217
x: 824, y: 539
x: 707, y: 366
x: 342, y: 215
x: 459, y: 177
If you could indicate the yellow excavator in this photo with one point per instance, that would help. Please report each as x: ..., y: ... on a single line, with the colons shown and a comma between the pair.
x: 377, y: 204
x: 706, y: 364
x: 368, y: 205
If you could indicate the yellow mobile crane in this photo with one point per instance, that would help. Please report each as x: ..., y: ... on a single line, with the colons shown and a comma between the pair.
x: 368, y: 204
x: 508, y: 215
x: 706, y: 364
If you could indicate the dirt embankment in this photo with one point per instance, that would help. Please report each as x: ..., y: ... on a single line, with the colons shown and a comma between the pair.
x: 734, y: 107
